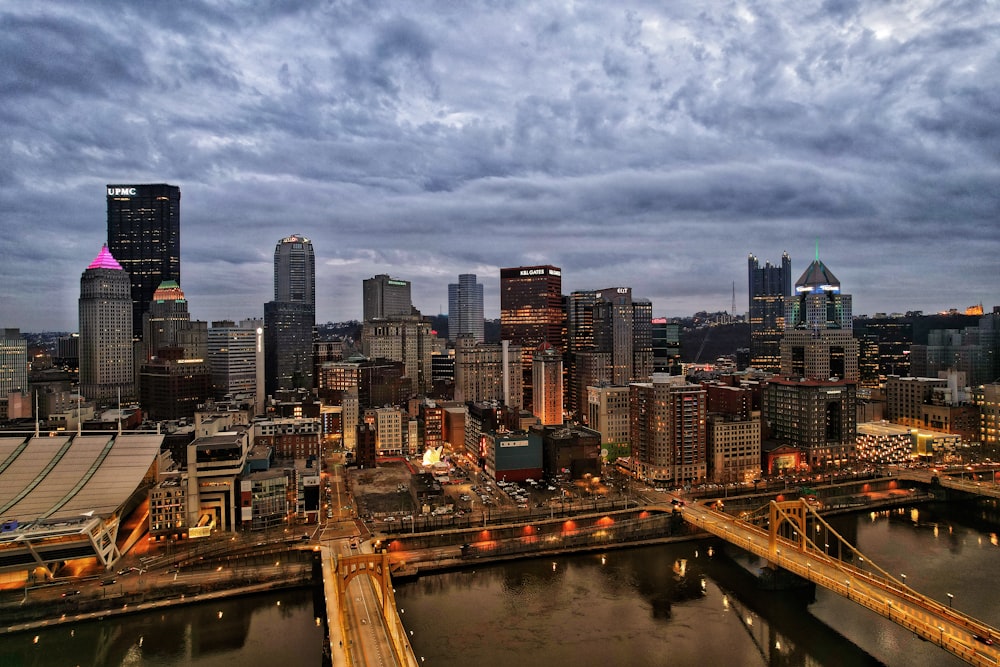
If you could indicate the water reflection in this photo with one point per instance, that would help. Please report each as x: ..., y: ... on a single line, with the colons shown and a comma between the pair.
x: 687, y: 601
x: 259, y: 630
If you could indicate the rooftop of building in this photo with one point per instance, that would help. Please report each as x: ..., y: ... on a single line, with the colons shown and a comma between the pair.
x: 817, y: 277
x: 105, y: 260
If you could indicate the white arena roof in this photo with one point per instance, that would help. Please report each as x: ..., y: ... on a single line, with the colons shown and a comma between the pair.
x: 54, y: 487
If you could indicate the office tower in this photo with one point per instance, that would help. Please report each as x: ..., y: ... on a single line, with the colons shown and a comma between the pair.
x: 610, y: 337
x: 164, y: 321
x: 488, y: 373
x: 106, y: 309
x: 13, y: 362
x: 818, y: 342
x: 402, y: 338
x: 465, y: 308
x: 236, y: 358
x: 386, y: 297
x: 531, y: 313
x: 613, y: 331
x: 813, y: 407
x: 144, y: 236
x: 547, y: 385
x: 174, y: 377
x: 580, y: 320
x: 769, y: 287
x: 290, y: 320
x: 666, y: 346
x: 883, y: 348
x: 816, y: 416
x: 13, y: 374
x: 295, y: 271
x: 667, y: 430
x: 642, y: 340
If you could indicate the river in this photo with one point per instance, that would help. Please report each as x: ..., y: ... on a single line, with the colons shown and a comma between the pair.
x: 679, y: 604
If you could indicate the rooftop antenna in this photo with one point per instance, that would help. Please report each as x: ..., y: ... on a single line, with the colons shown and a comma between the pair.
x: 817, y: 250
x: 733, y: 311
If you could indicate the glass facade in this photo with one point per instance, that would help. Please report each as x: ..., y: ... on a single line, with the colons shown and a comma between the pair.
x: 144, y: 235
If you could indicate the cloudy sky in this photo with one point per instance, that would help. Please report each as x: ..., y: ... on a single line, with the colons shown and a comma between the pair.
x: 645, y: 144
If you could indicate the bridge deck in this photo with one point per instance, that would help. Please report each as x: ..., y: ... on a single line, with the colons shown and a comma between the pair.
x: 871, y: 588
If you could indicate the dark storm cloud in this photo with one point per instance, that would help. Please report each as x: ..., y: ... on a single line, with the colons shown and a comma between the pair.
x: 648, y: 145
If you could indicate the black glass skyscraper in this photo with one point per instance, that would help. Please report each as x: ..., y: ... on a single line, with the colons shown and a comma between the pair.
x: 289, y: 320
x: 144, y: 235
x: 769, y: 287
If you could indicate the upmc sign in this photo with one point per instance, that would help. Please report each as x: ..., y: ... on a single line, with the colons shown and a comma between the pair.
x: 122, y: 192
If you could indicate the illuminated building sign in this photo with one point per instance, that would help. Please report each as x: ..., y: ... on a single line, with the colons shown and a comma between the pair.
x: 401, y: 283
x: 513, y: 443
x: 540, y: 272
x: 122, y: 192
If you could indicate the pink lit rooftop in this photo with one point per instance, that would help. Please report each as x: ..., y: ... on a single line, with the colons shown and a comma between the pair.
x: 105, y: 260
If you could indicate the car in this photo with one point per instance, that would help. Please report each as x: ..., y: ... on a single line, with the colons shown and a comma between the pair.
x: 70, y: 593
x: 983, y: 640
x: 108, y: 582
x: 389, y: 519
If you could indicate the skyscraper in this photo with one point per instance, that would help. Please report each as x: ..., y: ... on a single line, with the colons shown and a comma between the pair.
x: 465, y: 308
x: 174, y: 377
x: 106, y: 309
x: 547, y: 385
x: 289, y: 320
x: 488, y: 372
x: 295, y: 271
x: 236, y: 359
x: 13, y: 362
x: 818, y: 342
x: 386, y: 297
x: 144, y: 237
x: 13, y: 369
x: 531, y: 313
x: 769, y: 287
x: 813, y: 407
x: 610, y: 341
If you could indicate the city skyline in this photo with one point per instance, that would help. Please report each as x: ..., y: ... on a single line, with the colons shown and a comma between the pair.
x: 635, y: 145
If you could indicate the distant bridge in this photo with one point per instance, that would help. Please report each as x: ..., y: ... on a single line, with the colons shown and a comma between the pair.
x: 792, y: 536
x: 947, y: 480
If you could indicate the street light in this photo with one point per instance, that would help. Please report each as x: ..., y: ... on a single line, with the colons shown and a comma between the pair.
x: 951, y: 600
x: 904, y: 578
